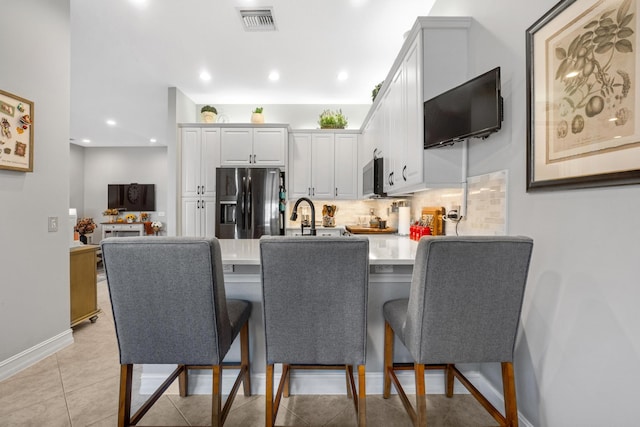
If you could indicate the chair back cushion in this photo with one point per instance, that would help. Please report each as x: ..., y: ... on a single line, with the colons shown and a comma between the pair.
x: 466, y: 298
x: 315, y: 299
x: 168, y: 299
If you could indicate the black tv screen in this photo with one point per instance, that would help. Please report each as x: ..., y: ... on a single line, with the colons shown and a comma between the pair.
x: 473, y: 109
x: 132, y: 197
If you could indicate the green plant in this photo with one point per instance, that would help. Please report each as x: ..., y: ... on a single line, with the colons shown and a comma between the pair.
x: 209, y: 108
x: 332, y: 120
x: 375, y: 90
x: 258, y: 110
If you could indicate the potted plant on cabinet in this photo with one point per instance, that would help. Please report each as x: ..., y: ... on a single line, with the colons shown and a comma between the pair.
x: 208, y: 114
x: 257, y: 116
x: 332, y: 120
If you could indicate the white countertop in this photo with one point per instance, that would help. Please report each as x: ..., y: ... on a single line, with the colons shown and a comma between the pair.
x: 383, y: 249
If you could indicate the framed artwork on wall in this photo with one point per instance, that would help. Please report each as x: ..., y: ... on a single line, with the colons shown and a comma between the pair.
x: 16, y: 133
x: 583, y: 97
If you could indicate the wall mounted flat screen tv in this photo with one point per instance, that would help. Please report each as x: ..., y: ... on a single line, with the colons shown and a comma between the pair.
x: 132, y: 197
x: 473, y: 109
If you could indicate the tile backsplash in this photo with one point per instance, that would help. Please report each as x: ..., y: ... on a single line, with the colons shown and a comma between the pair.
x: 486, y: 207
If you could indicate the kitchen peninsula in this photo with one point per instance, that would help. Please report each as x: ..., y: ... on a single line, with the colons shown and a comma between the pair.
x: 391, y: 265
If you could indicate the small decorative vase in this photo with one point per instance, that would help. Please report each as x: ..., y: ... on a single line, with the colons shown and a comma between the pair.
x: 257, y: 118
x: 208, y: 117
x: 83, y: 239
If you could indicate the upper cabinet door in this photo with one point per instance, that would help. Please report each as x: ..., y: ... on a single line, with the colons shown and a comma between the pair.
x: 412, y: 157
x: 269, y: 146
x: 322, y: 166
x: 346, y: 172
x: 210, y: 155
x: 190, y: 164
x: 299, y: 165
x: 236, y: 147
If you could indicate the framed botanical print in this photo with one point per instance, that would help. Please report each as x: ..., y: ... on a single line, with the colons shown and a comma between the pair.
x: 583, y: 101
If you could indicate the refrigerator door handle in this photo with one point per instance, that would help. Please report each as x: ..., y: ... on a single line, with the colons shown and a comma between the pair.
x: 244, y: 200
x: 249, y: 197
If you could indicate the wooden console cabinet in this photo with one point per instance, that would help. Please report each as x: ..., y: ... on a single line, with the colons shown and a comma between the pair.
x: 84, y: 293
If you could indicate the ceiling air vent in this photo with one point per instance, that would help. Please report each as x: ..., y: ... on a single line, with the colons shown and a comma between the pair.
x: 258, y: 19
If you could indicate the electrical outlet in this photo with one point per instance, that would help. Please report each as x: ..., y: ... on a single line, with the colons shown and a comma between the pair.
x: 52, y: 224
x: 454, y: 212
x: 227, y: 268
x: 160, y: 214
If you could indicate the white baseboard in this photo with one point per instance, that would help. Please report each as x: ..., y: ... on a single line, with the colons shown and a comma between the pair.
x: 333, y: 382
x: 35, y: 354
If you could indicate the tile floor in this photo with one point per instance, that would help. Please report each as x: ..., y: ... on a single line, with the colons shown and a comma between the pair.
x: 78, y: 386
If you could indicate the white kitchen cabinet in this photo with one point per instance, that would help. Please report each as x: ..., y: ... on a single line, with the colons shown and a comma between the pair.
x: 432, y: 60
x: 346, y: 171
x: 323, y: 165
x: 198, y: 217
x: 200, y: 156
x: 253, y: 146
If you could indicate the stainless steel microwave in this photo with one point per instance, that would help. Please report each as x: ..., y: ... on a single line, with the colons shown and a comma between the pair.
x: 373, y: 178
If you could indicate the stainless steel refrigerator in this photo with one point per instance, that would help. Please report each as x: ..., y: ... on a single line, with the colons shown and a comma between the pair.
x: 248, y: 202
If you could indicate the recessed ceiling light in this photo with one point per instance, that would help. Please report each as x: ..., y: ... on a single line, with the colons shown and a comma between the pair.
x: 153, y: 140
x: 111, y: 122
x: 343, y: 75
x: 274, y: 76
x: 86, y: 141
x: 205, y: 76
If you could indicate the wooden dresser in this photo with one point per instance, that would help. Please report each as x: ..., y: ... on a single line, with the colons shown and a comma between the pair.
x: 84, y: 293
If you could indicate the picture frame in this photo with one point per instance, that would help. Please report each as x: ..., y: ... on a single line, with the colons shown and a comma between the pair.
x: 583, y: 97
x: 16, y: 132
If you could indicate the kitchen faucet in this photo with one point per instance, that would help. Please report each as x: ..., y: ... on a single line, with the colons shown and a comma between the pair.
x: 294, y: 214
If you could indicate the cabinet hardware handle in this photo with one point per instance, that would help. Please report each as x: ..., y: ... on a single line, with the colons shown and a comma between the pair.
x: 254, y: 158
x: 309, y: 191
x: 198, y: 189
x: 404, y: 169
x: 249, y: 158
x: 198, y: 205
x: 336, y: 191
x: 391, y: 177
x: 202, y: 189
x: 313, y: 191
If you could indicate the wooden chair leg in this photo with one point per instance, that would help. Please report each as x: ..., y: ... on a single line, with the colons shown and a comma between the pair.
x: 362, y: 397
x: 287, y: 382
x: 183, y: 382
x: 449, y: 380
x: 421, y: 399
x: 124, y: 405
x: 388, y: 359
x: 348, y: 373
x: 509, y: 388
x: 269, y: 418
x: 244, y: 361
x: 216, y: 397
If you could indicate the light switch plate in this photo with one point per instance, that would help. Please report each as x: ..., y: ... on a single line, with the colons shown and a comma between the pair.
x: 52, y: 224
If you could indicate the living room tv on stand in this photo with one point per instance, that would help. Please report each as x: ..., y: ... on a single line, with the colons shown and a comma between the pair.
x: 473, y: 109
x: 132, y: 197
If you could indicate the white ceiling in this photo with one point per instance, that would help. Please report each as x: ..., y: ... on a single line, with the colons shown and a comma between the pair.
x: 125, y: 54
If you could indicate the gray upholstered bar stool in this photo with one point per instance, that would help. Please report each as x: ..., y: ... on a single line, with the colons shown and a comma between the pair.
x: 169, y: 307
x: 314, y: 291
x: 464, y: 307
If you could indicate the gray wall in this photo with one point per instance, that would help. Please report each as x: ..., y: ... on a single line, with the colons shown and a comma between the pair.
x: 34, y: 264
x: 578, y: 353
x: 122, y: 165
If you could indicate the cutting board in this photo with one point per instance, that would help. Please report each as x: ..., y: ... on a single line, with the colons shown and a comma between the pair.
x: 437, y: 213
x: 356, y: 229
